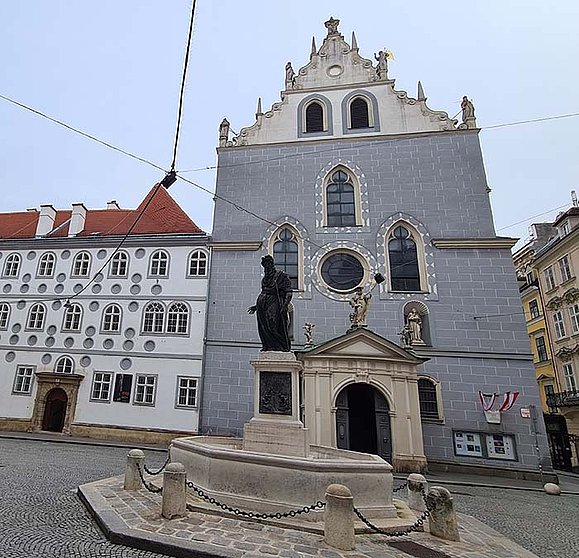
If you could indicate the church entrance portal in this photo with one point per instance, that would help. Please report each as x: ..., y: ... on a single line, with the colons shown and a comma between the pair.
x: 363, y: 421
x: 55, y: 410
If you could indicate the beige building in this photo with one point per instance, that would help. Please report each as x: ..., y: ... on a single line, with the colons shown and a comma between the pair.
x: 556, y: 265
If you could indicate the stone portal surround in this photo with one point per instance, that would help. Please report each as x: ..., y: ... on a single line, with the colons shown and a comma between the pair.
x: 135, y: 518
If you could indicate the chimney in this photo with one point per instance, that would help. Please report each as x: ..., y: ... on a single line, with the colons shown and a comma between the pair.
x: 45, y: 220
x: 113, y: 205
x: 77, y: 219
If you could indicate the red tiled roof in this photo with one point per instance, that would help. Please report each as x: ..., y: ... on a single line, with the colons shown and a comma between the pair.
x: 162, y: 215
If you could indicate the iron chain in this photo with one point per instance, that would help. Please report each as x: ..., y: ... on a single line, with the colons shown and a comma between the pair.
x: 150, y: 487
x: 399, y: 488
x: 153, y: 473
x: 252, y: 515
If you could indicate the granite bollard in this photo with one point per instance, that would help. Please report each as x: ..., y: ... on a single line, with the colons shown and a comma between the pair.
x: 442, y: 520
x: 135, y: 459
x: 174, y: 491
x: 417, y: 487
x: 339, y: 518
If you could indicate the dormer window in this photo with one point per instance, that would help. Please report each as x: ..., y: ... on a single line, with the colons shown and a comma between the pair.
x: 564, y: 229
x: 314, y: 117
x: 359, y: 114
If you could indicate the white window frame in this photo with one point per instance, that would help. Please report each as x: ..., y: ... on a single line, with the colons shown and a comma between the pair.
x: 63, y: 365
x: 36, y: 317
x: 158, y: 259
x: 574, y: 316
x: 145, y: 388
x: 46, y: 265
x: 565, y: 269
x: 437, y: 389
x: 357, y: 197
x: 534, y: 311
x: 569, y: 376
x: 185, y: 386
x: 156, y: 325
x: 119, y: 266
x: 81, y: 265
x: 12, y: 265
x: 559, y: 324
x: 112, y: 316
x: 102, y: 383
x: 549, y: 278
x: 198, y: 264
x: 72, y: 318
x: 24, y: 376
x: 369, y: 107
x: 420, y: 255
x: 178, y: 318
x: 4, y: 315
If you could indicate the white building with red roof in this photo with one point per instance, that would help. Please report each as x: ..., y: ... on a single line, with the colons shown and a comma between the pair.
x: 102, y: 318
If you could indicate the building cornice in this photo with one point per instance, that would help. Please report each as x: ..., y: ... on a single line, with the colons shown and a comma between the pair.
x: 236, y: 246
x: 498, y: 242
x: 554, y: 250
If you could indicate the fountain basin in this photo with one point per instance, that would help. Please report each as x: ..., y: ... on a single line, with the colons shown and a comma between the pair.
x: 278, y: 483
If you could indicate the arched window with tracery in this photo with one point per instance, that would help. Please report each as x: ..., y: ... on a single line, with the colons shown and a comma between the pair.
x: 403, y: 260
x: 286, y: 255
x: 154, y: 318
x: 64, y: 365
x: 178, y: 318
x: 314, y: 117
x: 36, y: 317
x: 340, y: 200
x: 359, y: 116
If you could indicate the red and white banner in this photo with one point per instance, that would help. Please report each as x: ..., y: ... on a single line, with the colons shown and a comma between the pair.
x: 487, y: 400
x: 508, y: 400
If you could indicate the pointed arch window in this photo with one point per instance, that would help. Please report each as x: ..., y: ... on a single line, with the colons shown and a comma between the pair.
x: 314, y: 117
x: 119, y: 265
x: 159, y: 265
x: 154, y: 318
x: 81, y: 265
x: 340, y: 201
x: 46, y: 265
x: 72, y: 318
x: 64, y: 365
x: 286, y: 255
x: 359, y: 115
x: 112, y: 318
x: 12, y: 265
x: 36, y: 317
x: 4, y: 315
x: 178, y: 318
x: 403, y: 260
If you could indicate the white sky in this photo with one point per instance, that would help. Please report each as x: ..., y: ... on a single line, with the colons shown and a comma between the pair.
x: 113, y: 68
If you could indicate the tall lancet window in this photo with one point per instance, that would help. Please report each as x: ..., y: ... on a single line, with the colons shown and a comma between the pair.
x: 403, y: 259
x: 314, y: 117
x: 359, y: 114
x: 340, y: 201
x: 286, y: 255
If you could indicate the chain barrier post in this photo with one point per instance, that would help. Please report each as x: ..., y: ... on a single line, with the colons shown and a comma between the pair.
x: 339, y: 518
x: 443, y: 522
x: 174, y: 491
x: 417, y: 487
x: 135, y: 458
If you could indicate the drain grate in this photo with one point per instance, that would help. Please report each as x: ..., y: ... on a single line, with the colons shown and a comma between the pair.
x: 417, y: 550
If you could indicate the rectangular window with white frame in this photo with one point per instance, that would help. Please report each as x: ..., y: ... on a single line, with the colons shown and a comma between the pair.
x: 565, y: 268
x: 549, y: 278
x: 101, y: 386
x: 569, y: 375
x: 559, y: 324
x: 534, y: 309
x: 23, y: 380
x: 186, y: 392
x: 574, y: 315
x: 145, y: 389
x: 541, y: 348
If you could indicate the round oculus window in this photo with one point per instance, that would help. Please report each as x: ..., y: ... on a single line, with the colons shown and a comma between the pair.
x: 342, y: 271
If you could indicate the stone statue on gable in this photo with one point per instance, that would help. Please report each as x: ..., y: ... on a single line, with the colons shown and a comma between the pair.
x: 332, y: 26
x: 468, y: 116
x: 289, y: 76
x: 382, y: 66
x: 223, y: 132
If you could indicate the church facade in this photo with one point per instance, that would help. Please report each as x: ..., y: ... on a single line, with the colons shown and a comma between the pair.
x: 356, y: 188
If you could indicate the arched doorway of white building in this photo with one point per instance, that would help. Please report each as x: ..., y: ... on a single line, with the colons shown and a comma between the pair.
x: 55, y: 410
x: 363, y: 421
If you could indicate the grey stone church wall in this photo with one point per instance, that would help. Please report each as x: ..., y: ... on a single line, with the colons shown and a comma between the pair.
x: 437, y: 180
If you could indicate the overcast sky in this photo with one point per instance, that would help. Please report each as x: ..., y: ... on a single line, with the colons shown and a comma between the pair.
x: 113, y: 69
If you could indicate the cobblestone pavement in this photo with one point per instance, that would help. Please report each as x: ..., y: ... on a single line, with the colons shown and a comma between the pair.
x: 41, y: 516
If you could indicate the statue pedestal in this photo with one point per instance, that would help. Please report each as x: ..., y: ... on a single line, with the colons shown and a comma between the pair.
x: 276, y: 427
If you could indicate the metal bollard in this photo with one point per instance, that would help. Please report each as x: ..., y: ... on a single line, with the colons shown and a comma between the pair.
x: 339, y: 518
x: 417, y: 487
x: 174, y: 491
x: 135, y: 459
x: 443, y: 522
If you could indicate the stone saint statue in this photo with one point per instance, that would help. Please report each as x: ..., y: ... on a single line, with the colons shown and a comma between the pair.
x: 468, y: 117
x: 382, y: 66
x: 272, y: 308
x: 332, y: 26
x: 359, y: 303
x: 289, y: 76
x: 309, y: 333
x: 405, y: 336
x: 414, y: 323
x: 223, y: 132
